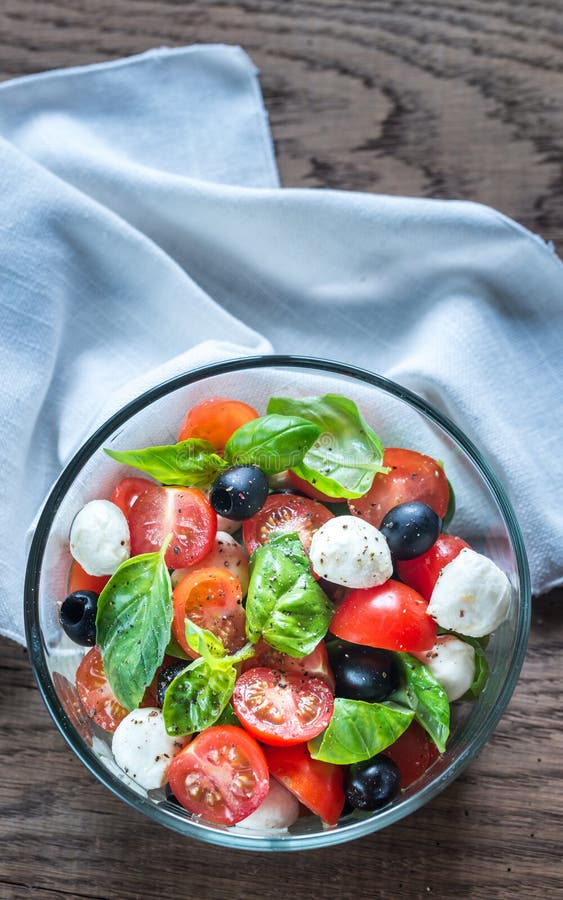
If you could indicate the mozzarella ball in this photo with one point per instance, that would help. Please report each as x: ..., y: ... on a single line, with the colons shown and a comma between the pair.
x: 99, y: 538
x: 226, y: 553
x: 143, y: 749
x: 348, y: 551
x: 452, y: 662
x: 278, y: 811
x: 471, y: 596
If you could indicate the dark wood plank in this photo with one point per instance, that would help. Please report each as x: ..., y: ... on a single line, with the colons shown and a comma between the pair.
x: 435, y: 99
x: 429, y: 98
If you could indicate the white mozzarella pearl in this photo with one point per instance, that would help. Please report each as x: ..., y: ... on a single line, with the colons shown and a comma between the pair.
x: 143, y: 749
x: 225, y: 553
x: 471, y: 596
x: 348, y: 551
x: 452, y: 662
x: 278, y: 811
x: 99, y: 538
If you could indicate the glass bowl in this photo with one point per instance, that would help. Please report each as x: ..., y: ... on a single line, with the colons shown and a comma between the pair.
x: 484, y: 517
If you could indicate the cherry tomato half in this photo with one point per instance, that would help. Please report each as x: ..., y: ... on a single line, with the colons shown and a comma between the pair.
x: 79, y: 580
x: 413, y: 753
x: 221, y: 776
x: 282, y: 707
x: 391, y: 616
x: 414, y: 476
x: 422, y: 572
x: 316, y: 784
x: 215, y: 420
x: 212, y: 599
x: 126, y: 492
x: 305, y: 488
x: 185, y: 512
x: 285, y: 513
x: 315, y: 665
x: 95, y: 693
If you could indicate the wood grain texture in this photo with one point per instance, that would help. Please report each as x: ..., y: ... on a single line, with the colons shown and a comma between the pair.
x: 437, y: 99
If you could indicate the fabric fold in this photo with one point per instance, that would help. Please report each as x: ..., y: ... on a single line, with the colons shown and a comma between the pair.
x: 143, y: 232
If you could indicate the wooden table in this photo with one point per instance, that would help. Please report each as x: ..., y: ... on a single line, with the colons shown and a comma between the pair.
x: 437, y: 99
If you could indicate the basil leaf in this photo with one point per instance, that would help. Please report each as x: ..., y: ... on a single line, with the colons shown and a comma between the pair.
x: 359, y: 730
x: 450, y: 511
x: 274, y: 443
x: 348, y: 454
x: 481, y: 668
x: 191, y: 463
x: 173, y: 649
x: 285, y: 605
x: 195, y: 699
x: 228, y: 717
x: 133, y: 624
x: 426, y: 696
x: 204, y: 642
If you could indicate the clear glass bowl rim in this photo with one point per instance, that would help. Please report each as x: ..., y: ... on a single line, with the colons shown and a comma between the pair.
x: 231, y: 838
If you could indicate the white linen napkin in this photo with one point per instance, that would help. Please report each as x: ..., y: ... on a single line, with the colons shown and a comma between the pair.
x: 142, y: 232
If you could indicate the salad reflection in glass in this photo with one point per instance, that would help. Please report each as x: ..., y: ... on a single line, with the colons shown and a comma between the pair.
x: 277, y: 616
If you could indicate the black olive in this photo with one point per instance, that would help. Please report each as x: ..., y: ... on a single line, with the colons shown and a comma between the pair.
x: 78, y: 617
x: 239, y: 493
x: 373, y: 783
x: 166, y: 676
x: 410, y: 529
x: 362, y: 673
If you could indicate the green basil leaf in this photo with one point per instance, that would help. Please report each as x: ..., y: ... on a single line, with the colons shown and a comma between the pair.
x: 450, y: 511
x: 195, y: 699
x: 191, y: 463
x: 228, y: 717
x: 426, y: 696
x: 210, y: 647
x: 481, y: 667
x: 173, y: 649
x: 244, y: 653
x: 359, y: 730
x: 285, y: 605
x: 274, y: 443
x: 133, y: 624
x: 204, y: 642
x: 344, y: 460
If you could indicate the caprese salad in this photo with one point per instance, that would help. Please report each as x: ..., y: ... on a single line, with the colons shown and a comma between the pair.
x: 278, y: 618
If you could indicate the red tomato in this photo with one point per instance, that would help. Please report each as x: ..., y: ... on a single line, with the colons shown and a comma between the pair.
x: 79, y: 580
x: 285, y: 513
x: 282, y: 707
x: 126, y: 492
x: 391, y: 616
x: 222, y: 775
x: 212, y: 599
x: 315, y: 665
x: 185, y: 512
x: 95, y: 693
x: 422, y: 572
x: 305, y: 488
x: 414, y: 476
x: 413, y: 753
x: 72, y: 706
x: 316, y: 784
x: 215, y: 420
